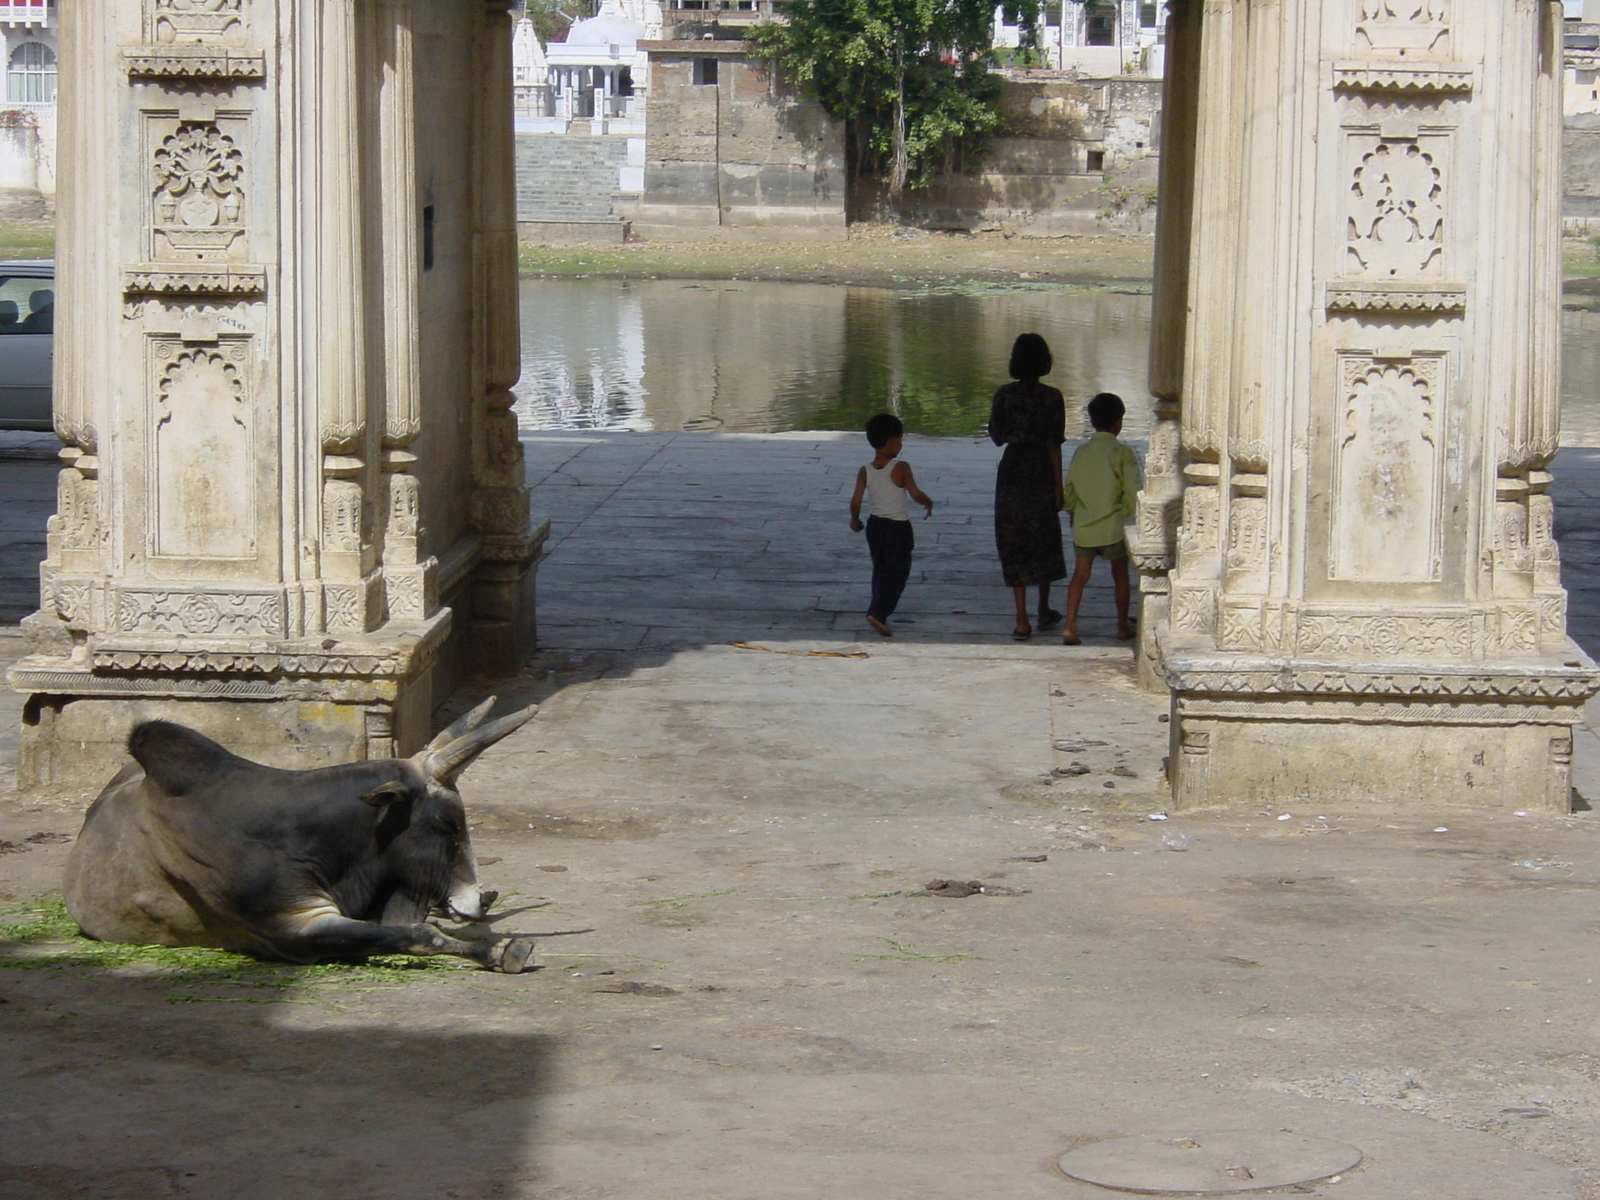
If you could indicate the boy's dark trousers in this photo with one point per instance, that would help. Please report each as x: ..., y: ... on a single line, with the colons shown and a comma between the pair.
x: 890, y: 544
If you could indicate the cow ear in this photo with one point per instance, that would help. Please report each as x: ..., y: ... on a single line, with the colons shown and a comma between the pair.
x: 389, y: 793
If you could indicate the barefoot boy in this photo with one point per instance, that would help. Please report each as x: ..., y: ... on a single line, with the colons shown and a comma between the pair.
x: 889, y: 538
x: 1102, y: 490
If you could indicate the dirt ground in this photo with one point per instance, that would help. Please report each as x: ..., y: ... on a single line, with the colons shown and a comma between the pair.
x: 747, y: 989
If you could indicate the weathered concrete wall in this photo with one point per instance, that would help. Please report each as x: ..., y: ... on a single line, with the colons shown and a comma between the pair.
x: 742, y: 154
x: 1581, y: 143
x: 1074, y: 157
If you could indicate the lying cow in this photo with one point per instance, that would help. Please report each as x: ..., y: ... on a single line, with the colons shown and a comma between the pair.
x: 193, y: 846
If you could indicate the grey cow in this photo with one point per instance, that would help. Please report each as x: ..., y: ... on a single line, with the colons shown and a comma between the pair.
x: 191, y: 845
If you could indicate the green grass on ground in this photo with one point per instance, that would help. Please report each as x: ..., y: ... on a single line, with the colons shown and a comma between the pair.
x: 873, y: 255
x: 27, y: 239
x: 1581, y: 256
x: 40, y: 934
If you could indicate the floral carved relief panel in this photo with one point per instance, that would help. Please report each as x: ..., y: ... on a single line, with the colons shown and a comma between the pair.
x: 200, y: 614
x: 1387, y: 469
x: 202, y: 454
x: 1395, y: 226
x: 197, y: 204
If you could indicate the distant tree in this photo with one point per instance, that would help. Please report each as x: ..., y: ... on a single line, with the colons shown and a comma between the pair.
x: 911, y: 78
x: 550, y: 20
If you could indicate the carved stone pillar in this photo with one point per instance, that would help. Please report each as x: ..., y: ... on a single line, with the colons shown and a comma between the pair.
x: 1366, y: 602
x: 261, y: 400
x: 1154, y: 542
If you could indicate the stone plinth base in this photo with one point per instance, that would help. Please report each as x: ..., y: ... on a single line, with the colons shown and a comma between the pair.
x: 285, y: 704
x: 1250, y: 730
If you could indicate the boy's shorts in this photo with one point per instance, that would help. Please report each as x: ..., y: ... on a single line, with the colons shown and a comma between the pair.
x: 1115, y: 552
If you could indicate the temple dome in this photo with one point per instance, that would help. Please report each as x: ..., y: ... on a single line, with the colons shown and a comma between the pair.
x: 611, y: 28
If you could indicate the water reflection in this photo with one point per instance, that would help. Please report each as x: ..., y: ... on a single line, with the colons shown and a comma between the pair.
x: 768, y: 357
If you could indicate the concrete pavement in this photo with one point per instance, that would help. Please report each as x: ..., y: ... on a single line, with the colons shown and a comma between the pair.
x: 748, y: 992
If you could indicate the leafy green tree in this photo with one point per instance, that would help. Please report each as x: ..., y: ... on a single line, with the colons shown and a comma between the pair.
x: 910, y: 78
x: 550, y: 18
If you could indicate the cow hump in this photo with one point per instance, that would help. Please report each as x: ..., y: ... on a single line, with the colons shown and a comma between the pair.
x: 178, y: 759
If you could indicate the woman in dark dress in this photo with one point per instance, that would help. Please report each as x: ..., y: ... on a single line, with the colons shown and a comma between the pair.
x: 1029, y: 419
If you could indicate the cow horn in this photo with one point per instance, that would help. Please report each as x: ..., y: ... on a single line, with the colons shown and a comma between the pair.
x: 462, y: 725
x: 445, y: 764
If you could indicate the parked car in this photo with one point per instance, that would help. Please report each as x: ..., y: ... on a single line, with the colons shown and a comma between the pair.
x: 27, y: 343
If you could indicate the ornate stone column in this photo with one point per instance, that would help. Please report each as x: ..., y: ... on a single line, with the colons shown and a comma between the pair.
x: 1366, y: 602
x: 289, y: 485
x: 1154, y: 541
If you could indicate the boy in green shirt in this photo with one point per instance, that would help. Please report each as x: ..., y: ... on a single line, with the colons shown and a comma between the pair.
x: 1102, y: 491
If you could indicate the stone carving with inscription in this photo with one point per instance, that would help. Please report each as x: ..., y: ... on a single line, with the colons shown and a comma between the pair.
x: 1396, y: 225
x: 198, y: 194
x: 341, y: 515
x: 1198, y: 533
x: 1247, y: 533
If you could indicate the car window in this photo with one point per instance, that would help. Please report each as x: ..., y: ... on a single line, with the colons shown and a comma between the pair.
x: 27, y: 304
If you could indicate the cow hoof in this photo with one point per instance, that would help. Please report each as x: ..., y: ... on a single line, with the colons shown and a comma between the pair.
x: 514, y: 956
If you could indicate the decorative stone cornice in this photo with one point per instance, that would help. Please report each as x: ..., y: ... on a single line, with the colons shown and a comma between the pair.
x: 1416, y: 78
x: 1397, y: 297
x: 1277, y: 678
x: 194, y: 279
x: 193, y: 62
x: 219, y: 661
x: 394, y: 651
x: 1154, y: 564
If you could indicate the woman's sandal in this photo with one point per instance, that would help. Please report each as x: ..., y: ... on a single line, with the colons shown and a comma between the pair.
x: 1021, y: 635
x: 1048, y: 618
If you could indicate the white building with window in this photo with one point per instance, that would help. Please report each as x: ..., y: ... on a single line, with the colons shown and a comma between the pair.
x: 28, y: 114
x: 1097, y: 37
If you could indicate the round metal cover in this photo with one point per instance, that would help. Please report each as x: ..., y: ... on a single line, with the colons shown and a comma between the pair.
x: 1215, y: 1163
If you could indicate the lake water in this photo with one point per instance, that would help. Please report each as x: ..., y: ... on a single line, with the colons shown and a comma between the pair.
x: 769, y: 357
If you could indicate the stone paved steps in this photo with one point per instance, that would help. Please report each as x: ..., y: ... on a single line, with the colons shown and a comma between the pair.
x: 568, y: 177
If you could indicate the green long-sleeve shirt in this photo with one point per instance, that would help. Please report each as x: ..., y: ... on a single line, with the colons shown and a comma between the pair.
x: 1102, y: 490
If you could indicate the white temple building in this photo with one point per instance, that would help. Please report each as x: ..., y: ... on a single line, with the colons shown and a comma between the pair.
x: 597, y: 75
x: 1108, y: 37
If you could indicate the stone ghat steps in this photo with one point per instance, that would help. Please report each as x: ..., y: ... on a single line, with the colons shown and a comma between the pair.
x: 568, y: 177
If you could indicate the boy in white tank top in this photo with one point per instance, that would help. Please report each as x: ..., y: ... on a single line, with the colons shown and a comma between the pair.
x: 889, y: 538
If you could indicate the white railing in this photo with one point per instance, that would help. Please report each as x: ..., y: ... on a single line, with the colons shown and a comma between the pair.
x: 28, y: 14
x: 535, y: 100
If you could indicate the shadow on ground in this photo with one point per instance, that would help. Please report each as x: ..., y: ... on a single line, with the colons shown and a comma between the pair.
x: 116, y: 1092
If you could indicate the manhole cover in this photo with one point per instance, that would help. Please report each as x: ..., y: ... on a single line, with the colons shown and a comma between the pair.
x: 1208, y: 1164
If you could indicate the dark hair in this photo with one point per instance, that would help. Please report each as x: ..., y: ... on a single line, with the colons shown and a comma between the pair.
x: 1106, y: 409
x: 883, y: 427
x: 1030, y: 357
